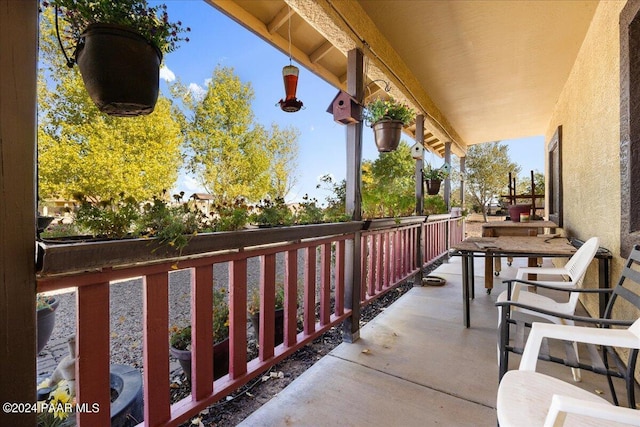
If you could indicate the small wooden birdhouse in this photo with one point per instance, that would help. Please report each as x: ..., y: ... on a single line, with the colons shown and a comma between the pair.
x: 345, y: 109
x: 417, y: 151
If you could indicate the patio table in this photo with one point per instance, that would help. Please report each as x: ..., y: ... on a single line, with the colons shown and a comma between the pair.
x: 511, y: 228
x: 518, y: 246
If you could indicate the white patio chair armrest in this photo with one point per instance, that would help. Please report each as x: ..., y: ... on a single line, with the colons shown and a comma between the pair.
x: 563, y: 405
x: 600, y: 336
x: 552, y: 271
x: 556, y: 285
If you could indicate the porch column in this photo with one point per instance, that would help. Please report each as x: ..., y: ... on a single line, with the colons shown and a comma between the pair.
x: 447, y: 180
x: 353, y: 202
x: 463, y: 172
x: 419, y: 197
x: 18, y: 62
x: 419, y: 166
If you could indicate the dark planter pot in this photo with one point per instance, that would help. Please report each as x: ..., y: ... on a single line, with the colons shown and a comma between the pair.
x: 46, y: 319
x: 127, y: 410
x: 43, y: 222
x: 433, y: 186
x: 279, y: 327
x: 387, y: 134
x: 220, y: 359
x: 120, y: 69
x: 516, y: 210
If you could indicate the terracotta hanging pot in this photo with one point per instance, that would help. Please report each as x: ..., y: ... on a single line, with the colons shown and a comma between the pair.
x: 387, y: 134
x: 120, y: 69
x: 433, y: 186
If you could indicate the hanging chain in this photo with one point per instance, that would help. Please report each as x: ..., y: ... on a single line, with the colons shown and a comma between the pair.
x: 70, y: 62
x: 289, y: 34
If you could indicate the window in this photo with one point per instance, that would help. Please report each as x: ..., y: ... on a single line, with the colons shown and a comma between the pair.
x: 629, y: 127
x: 555, y: 177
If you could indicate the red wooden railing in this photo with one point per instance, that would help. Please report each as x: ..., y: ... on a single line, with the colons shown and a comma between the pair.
x: 389, y: 255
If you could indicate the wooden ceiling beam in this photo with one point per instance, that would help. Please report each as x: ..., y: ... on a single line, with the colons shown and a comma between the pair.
x: 342, y: 20
x: 320, y: 52
x: 280, y: 19
x: 255, y: 25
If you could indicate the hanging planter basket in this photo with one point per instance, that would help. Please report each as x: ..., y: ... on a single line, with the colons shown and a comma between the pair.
x: 387, y: 134
x: 433, y: 186
x: 120, y: 69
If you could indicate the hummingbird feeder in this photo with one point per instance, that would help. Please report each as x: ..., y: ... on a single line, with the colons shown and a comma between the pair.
x: 290, y: 76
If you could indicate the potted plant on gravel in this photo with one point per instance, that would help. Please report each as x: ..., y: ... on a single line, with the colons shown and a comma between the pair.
x: 118, y: 46
x: 180, y: 339
x: 387, y: 118
x: 253, y: 309
x: 46, y: 307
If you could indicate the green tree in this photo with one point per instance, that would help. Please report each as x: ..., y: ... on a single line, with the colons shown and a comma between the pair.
x: 230, y: 154
x: 282, y: 148
x: 82, y: 151
x: 487, y: 171
x: 389, y: 184
x: 523, y: 186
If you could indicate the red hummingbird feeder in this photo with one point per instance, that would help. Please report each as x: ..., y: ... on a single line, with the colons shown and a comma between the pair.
x: 290, y: 76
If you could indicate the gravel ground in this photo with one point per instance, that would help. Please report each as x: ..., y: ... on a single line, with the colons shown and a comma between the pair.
x: 126, y: 333
x: 126, y: 311
x: 126, y: 304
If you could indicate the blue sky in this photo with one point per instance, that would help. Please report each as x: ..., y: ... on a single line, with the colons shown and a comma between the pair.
x: 217, y: 40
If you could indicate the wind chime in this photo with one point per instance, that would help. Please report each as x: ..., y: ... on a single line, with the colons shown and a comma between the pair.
x: 290, y: 103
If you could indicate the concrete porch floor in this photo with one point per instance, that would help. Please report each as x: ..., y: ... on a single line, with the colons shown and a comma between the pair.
x: 414, y: 365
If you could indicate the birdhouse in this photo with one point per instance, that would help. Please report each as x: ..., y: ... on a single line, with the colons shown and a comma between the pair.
x: 345, y: 109
x: 417, y: 151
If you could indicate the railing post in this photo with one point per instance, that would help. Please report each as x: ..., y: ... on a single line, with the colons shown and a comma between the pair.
x: 353, y: 200
x: 419, y: 254
x: 353, y: 283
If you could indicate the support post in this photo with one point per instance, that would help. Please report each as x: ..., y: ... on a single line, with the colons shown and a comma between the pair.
x: 447, y: 180
x: 463, y: 172
x: 353, y: 202
x: 419, y: 167
x: 18, y: 64
x: 419, y: 198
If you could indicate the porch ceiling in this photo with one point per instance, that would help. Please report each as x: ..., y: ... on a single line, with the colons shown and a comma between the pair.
x: 480, y: 70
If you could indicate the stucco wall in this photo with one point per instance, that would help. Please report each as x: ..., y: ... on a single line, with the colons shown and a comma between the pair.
x: 589, y: 111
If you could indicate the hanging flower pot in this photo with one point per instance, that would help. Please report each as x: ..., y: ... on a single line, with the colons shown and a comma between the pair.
x: 387, y: 134
x: 120, y: 69
x: 388, y: 117
x: 433, y: 186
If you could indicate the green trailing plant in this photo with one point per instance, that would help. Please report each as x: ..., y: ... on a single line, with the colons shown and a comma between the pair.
x: 172, y: 225
x: 114, y: 218
x: 152, y: 23
x: 309, y: 212
x: 180, y: 337
x: 272, y: 212
x: 232, y: 216
x: 432, y: 173
x: 61, y: 230
x: 388, y: 109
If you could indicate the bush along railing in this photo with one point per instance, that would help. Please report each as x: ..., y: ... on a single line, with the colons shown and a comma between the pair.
x: 309, y: 261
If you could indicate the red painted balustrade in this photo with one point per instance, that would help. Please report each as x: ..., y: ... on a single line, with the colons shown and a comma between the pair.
x: 390, y: 253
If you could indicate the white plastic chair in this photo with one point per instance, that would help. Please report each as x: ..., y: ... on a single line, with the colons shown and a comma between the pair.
x: 529, y: 398
x: 574, y: 271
